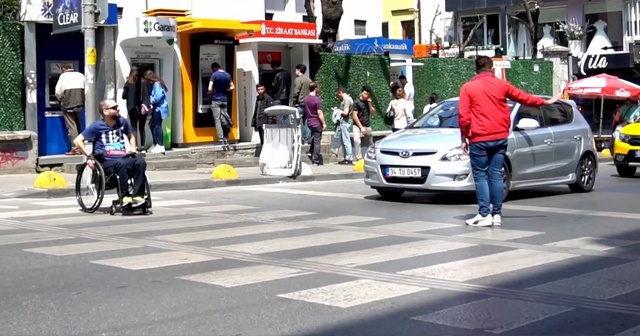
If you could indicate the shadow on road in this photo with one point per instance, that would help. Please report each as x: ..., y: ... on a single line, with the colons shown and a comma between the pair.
x: 607, y: 319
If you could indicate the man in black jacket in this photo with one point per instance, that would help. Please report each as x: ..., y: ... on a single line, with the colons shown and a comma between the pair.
x: 281, y: 84
x: 263, y: 101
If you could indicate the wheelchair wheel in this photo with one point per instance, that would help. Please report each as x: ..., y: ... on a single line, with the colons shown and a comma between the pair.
x: 90, y: 185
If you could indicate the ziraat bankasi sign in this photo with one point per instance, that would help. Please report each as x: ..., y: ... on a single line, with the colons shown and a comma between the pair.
x: 67, y: 16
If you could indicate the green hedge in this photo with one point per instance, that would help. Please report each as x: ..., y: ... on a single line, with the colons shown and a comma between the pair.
x: 523, y: 75
x: 12, y: 83
x: 351, y: 72
x: 445, y: 76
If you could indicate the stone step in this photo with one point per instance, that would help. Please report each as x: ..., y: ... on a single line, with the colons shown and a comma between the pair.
x: 171, y: 164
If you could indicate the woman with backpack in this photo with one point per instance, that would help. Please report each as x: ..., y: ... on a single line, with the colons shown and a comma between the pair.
x: 399, y: 112
x: 160, y: 109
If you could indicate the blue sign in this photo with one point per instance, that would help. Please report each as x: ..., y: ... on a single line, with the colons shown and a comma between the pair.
x: 67, y: 16
x: 374, y: 46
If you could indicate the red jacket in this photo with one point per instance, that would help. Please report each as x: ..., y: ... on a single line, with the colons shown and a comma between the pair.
x: 483, y: 111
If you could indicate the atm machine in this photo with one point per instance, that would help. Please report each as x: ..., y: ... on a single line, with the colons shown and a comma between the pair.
x: 144, y: 64
x: 209, y: 53
x: 56, y: 140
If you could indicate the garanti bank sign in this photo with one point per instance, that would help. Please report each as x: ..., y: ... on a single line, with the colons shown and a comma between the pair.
x: 157, y: 27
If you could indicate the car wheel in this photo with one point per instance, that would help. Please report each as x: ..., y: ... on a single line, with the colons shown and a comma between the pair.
x: 387, y: 193
x: 585, y: 175
x: 506, y: 180
x: 626, y: 171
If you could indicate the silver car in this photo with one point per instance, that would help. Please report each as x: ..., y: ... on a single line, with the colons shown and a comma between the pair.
x: 551, y: 145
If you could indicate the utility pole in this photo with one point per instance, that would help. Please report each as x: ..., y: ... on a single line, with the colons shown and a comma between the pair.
x: 89, y: 10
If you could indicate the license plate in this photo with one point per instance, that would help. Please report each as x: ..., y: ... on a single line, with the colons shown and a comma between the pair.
x: 404, y: 172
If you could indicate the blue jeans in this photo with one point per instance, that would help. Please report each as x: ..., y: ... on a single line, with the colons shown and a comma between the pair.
x: 487, y: 159
x: 156, y: 129
x: 306, y: 132
x: 345, y: 133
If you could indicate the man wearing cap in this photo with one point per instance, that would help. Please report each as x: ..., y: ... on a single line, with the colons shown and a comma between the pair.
x: 110, y: 136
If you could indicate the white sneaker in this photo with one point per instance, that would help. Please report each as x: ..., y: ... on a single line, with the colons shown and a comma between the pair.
x: 497, y: 220
x: 157, y: 149
x: 480, y: 221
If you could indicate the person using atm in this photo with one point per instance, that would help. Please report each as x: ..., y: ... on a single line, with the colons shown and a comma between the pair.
x: 220, y: 85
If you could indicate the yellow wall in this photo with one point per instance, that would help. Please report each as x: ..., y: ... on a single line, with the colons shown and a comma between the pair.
x: 192, y: 135
x: 401, y: 7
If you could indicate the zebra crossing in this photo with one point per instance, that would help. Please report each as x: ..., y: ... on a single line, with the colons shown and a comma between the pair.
x: 357, y: 242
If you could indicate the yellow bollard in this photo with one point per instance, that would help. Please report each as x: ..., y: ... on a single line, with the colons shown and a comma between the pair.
x: 606, y: 153
x: 224, y: 172
x: 359, y: 166
x: 50, y: 180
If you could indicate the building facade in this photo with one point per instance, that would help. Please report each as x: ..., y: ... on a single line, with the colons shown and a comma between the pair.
x: 611, y: 28
x: 179, y: 40
x: 47, y: 53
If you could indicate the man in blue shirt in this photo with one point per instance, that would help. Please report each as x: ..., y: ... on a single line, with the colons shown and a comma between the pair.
x: 220, y: 85
x: 109, y: 137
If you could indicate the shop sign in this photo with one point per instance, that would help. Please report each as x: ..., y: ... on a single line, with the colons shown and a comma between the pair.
x: 602, y: 62
x: 284, y: 30
x: 67, y: 16
x: 157, y: 27
x: 374, y: 45
x: 224, y: 41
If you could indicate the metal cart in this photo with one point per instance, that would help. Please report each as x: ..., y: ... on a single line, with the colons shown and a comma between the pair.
x: 281, y: 153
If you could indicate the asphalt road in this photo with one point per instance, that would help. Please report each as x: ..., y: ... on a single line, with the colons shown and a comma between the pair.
x: 325, y: 259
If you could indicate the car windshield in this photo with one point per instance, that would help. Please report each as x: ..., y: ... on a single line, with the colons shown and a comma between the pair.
x: 444, y: 115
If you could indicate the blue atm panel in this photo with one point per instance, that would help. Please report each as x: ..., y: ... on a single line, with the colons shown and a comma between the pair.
x: 54, y: 51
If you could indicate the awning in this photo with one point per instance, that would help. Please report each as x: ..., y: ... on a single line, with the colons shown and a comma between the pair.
x: 279, y: 40
x: 189, y: 25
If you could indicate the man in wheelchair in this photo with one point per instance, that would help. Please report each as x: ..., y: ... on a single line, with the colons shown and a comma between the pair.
x: 108, y: 137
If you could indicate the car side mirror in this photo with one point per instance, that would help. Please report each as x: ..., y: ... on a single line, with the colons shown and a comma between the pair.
x: 527, y: 124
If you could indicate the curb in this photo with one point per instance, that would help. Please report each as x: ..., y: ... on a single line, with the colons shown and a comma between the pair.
x: 192, y: 185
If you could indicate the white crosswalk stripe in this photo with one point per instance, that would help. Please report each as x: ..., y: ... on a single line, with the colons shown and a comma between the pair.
x: 74, y: 249
x: 293, y: 243
x: 154, y: 260
x: 352, y: 293
x: 258, y: 228
x: 493, y: 264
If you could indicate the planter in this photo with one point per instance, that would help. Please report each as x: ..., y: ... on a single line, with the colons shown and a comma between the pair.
x: 576, y: 48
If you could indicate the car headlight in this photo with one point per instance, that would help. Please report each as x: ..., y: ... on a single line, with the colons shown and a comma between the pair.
x: 371, y: 152
x: 621, y: 137
x: 455, y: 154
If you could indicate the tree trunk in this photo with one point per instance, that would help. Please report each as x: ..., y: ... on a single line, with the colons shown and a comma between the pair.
x: 309, y: 6
x: 532, y: 24
x: 331, y: 15
x: 469, y: 37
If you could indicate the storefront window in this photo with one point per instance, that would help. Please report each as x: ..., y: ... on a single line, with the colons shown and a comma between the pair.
x: 552, y: 17
x: 488, y: 33
x: 605, y: 30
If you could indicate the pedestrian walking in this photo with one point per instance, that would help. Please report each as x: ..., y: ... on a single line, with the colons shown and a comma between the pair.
x: 132, y: 93
x: 260, y: 118
x: 315, y: 119
x: 485, y: 122
x: 362, y: 110
x: 300, y: 92
x: 344, y: 125
x: 160, y: 108
x: 70, y: 93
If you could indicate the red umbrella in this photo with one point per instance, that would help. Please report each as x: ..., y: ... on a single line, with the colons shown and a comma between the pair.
x: 603, y: 86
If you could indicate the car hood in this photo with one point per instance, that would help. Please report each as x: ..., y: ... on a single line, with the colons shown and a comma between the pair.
x: 631, y: 129
x: 430, y: 139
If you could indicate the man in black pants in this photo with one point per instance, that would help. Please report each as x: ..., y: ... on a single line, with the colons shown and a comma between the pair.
x: 315, y: 121
x: 109, y: 137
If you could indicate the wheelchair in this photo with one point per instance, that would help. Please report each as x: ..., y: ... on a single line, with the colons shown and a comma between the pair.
x: 98, y: 183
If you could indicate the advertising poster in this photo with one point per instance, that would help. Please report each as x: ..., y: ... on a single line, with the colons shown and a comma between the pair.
x: 67, y: 16
x: 266, y: 57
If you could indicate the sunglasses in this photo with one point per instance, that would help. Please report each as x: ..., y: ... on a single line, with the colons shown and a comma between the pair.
x: 114, y: 107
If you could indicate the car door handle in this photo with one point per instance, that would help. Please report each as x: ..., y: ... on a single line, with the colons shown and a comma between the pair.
x: 578, y: 137
x: 548, y: 142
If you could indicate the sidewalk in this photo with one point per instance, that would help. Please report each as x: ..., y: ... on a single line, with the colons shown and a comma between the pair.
x: 21, y: 186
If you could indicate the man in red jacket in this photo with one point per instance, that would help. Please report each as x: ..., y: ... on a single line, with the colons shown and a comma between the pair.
x: 485, y: 122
